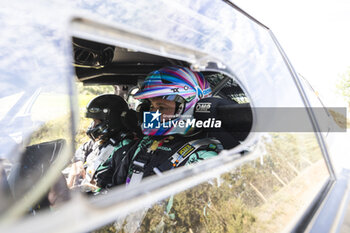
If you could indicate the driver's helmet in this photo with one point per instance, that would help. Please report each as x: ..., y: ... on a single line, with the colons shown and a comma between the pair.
x: 179, y: 84
x: 107, y: 108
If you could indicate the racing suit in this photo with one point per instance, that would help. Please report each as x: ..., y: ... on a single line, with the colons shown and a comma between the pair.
x: 154, y: 154
x: 91, y: 152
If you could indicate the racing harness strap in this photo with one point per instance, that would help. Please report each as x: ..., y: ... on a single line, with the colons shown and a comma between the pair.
x: 175, y: 160
x: 95, y: 159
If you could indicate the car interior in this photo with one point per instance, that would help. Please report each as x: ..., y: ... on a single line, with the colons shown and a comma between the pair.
x: 97, y: 64
x: 102, y: 64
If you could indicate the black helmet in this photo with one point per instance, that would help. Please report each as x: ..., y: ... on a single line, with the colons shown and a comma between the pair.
x: 108, y: 109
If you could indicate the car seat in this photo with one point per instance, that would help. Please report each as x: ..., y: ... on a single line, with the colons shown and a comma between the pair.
x: 236, y: 119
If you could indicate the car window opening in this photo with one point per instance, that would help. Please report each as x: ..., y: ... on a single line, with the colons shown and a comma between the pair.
x: 171, y: 115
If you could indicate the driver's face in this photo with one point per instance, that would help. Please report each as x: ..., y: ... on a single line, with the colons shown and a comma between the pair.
x: 166, y: 107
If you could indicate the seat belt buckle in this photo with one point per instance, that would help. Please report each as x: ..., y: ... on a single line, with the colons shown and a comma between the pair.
x: 137, y: 173
x: 138, y: 167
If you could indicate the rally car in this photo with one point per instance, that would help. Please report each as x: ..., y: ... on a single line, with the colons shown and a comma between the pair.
x: 274, y: 174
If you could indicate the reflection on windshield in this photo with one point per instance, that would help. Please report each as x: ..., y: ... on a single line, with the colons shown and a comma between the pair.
x: 35, y: 141
x: 7, y: 103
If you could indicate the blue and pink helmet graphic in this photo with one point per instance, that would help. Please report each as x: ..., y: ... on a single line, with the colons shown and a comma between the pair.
x: 174, y: 83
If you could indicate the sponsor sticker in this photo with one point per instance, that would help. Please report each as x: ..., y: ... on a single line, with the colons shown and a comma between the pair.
x: 184, y: 151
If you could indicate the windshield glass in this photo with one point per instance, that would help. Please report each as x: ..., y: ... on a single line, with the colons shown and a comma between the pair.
x: 119, y: 44
x: 36, y: 120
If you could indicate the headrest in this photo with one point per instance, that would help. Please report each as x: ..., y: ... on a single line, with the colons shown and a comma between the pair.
x: 234, y: 117
x: 131, y: 121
